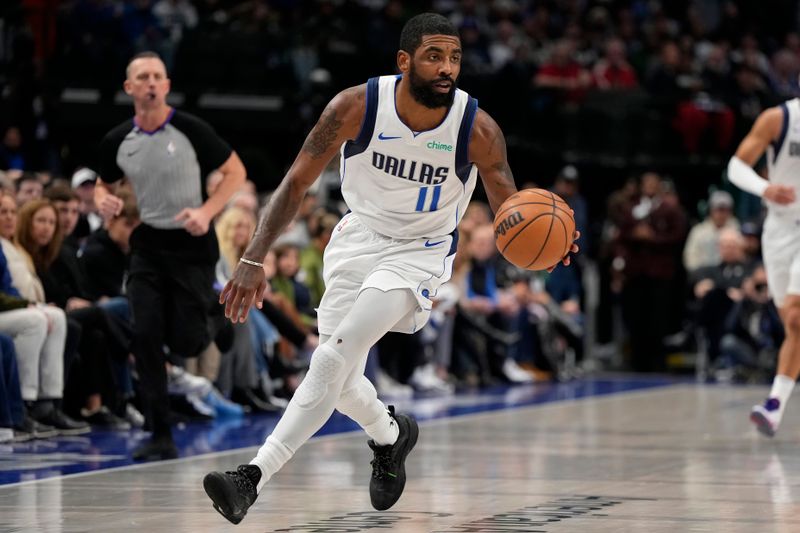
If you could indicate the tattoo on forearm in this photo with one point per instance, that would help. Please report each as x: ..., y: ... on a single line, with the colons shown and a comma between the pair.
x: 504, y: 174
x: 498, y: 143
x: 281, y: 210
x: 323, y: 134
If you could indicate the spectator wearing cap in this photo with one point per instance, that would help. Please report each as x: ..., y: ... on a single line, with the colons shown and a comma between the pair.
x: 89, y: 221
x: 567, y: 187
x: 702, y: 244
x: 751, y: 232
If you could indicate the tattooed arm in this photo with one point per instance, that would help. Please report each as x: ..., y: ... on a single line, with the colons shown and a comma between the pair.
x: 487, y: 149
x: 339, y: 122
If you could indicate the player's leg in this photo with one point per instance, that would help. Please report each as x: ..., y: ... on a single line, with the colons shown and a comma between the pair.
x: 393, y: 436
x: 373, y: 313
x: 768, y: 417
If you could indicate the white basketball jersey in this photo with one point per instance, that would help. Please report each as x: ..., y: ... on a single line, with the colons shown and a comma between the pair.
x: 406, y: 184
x: 783, y: 156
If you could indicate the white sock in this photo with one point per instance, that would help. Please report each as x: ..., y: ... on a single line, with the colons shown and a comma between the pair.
x: 384, y: 430
x: 360, y: 402
x: 272, y: 455
x: 781, y: 389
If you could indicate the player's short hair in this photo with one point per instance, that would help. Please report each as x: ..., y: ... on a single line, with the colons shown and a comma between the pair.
x: 424, y: 24
x: 147, y: 54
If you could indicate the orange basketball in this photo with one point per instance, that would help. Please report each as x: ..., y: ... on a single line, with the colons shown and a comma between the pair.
x: 534, y: 229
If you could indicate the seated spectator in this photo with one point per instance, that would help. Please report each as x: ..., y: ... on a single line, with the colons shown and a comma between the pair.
x: 12, y: 410
x: 244, y: 371
x: 287, y: 263
x: 563, y: 74
x: 11, y: 153
x: 567, y: 186
x: 311, y: 257
x: 83, y: 182
x: 702, y: 243
x: 97, y: 337
x: 752, y: 333
x: 717, y: 287
x: 39, y: 334
x: 751, y: 232
x: 105, y: 257
x: 486, y: 312
x: 613, y: 71
x: 678, y: 92
x: 28, y: 187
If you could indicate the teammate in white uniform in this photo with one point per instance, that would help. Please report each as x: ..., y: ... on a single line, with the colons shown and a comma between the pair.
x: 412, y: 146
x: 777, y: 131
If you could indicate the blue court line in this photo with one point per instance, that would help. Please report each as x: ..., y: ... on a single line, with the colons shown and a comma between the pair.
x: 101, y: 450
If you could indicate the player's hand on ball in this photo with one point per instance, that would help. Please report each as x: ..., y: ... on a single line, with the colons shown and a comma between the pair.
x: 780, y: 194
x: 573, y: 249
x: 244, y: 289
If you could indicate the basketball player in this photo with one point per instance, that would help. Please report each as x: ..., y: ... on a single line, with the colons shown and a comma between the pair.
x: 411, y: 148
x: 777, y: 131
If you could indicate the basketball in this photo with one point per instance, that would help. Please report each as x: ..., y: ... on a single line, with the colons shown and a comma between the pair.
x: 534, y: 229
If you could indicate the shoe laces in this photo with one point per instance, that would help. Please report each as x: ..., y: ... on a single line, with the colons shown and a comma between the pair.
x: 382, y: 462
x: 241, y: 478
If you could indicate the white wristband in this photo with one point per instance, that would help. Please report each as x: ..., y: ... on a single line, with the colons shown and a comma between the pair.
x: 743, y: 176
x: 251, y: 263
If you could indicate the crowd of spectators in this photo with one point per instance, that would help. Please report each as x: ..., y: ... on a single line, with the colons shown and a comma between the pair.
x: 691, y: 74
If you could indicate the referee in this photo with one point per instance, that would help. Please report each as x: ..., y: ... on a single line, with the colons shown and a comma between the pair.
x: 166, y: 154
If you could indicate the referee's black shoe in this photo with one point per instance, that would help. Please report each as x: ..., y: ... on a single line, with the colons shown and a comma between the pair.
x: 233, y: 492
x: 388, y: 466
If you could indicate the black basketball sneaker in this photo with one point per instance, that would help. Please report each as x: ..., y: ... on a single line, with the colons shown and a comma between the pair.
x: 233, y: 492
x: 388, y: 466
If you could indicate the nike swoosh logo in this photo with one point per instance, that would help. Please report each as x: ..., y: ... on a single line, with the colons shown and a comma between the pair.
x: 383, y: 137
x: 428, y: 244
x: 131, y: 153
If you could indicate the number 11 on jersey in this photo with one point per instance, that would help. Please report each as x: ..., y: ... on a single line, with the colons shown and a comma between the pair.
x: 423, y: 196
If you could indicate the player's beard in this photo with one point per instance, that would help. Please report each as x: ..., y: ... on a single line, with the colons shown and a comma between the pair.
x: 422, y: 91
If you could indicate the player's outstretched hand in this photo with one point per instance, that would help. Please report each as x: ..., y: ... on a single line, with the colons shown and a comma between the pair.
x: 244, y: 289
x: 780, y: 194
x: 572, y: 250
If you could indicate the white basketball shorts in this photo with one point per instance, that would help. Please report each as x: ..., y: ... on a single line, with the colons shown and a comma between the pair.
x: 358, y: 258
x: 780, y: 244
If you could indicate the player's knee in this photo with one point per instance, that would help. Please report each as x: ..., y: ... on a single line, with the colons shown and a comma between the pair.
x: 327, y: 367
x: 792, y: 320
x: 348, y: 400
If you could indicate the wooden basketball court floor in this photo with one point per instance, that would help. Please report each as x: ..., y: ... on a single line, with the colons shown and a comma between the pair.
x: 672, y: 458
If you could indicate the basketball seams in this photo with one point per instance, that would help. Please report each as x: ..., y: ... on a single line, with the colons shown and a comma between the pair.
x: 520, y: 230
x: 513, y: 219
x: 566, y: 237
x: 509, y: 208
x: 549, y: 230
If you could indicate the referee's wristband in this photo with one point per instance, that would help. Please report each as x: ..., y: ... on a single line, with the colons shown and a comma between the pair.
x: 251, y: 263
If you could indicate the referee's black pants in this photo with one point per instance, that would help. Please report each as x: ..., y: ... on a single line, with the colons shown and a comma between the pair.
x: 170, y: 297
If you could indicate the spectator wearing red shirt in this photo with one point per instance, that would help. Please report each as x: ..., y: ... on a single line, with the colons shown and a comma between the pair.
x: 564, y: 74
x: 614, y: 71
